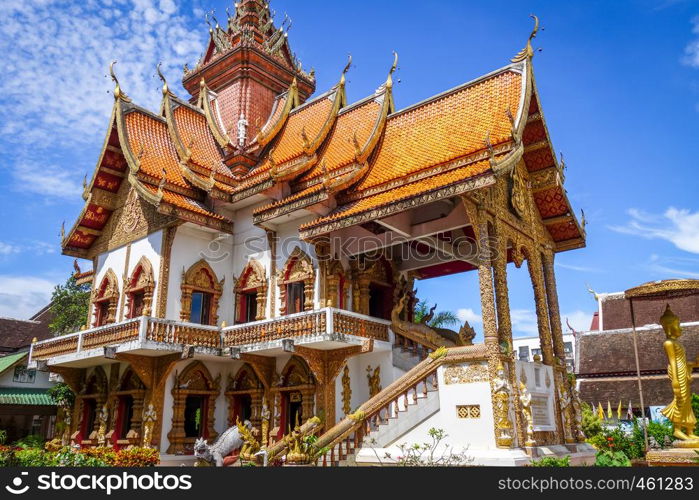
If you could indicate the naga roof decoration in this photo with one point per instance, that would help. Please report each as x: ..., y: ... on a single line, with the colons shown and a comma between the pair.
x: 346, y: 164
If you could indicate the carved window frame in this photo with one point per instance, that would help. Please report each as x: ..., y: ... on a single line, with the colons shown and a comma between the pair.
x: 141, y: 281
x: 130, y: 384
x: 252, y: 279
x: 107, y: 292
x: 192, y: 282
x: 297, y: 269
x: 183, y: 388
x: 97, y: 385
x: 295, y: 377
x: 238, y: 387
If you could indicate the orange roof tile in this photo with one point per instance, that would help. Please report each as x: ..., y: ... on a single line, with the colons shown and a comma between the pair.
x: 446, y: 128
x: 404, y: 192
x: 311, y: 118
x: 195, y: 135
x: 296, y: 196
x: 148, y: 137
x: 276, y: 113
x: 340, y: 150
x: 185, y: 203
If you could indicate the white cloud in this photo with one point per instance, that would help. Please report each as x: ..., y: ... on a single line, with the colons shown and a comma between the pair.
x: 33, y: 247
x: 8, y: 249
x: 469, y: 315
x: 674, y: 267
x: 678, y: 226
x: 23, y: 296
x: 579, y: 320
x: 524, y: 323
x: 580, y: 269
x: 691, y: 52
x: 55, y: 92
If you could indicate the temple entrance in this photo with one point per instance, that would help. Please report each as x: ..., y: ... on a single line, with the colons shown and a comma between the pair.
x: 294, y: 397
x: 380, y: 301
x: 294, y: 410
x: 194, y: 416
x: 89, y: 416
x: 125, y: 416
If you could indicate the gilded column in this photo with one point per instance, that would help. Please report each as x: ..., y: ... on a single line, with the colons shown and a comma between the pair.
x: 502, y: 300
x: 124, y: 280
x: 536, y: 272
x: 272, y: 242
x: 164, y: 274
x: 552, y: 301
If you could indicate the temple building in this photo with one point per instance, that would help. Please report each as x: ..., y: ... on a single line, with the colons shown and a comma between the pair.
x: 256, y: 246
x: 606, y: 363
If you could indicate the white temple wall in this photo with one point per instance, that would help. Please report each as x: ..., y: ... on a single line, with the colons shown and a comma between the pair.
x: 192, y: 244
x: 359, y: 382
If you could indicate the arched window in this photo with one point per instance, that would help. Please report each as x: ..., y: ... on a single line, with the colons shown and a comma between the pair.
x: 296, y: 282
x: 139, y: 290
x: 201, y: 292
x: 251, y: 293
x: 336, y: 286
x: 89, y: 402
x: 106, y: 300
x: 194, y: 406
x: 244, y: 394
x: 294, y: 396
x: 128, y: 404
x: 376, y: 287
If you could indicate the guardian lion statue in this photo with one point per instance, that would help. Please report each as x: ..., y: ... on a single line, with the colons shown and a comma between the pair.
x: 226, y: 444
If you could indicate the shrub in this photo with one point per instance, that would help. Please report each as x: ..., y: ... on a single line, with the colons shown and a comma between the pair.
x: 552, y: 462
x: 695, y: 407
x: 62, y: 395
x: 35, y: 458
x: 591, y: 423
x: 30, y: 442
x: 608, y: 458
x: 106, y: 455
x: 137, y: 457
x: 70, y: 458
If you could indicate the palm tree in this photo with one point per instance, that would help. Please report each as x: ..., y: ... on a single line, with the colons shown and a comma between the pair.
x: 441, y: 319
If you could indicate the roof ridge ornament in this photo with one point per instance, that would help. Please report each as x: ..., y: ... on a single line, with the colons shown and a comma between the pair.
x: 166, y: 88
x: 389, y: 80
x: 527, y: 52
x: 118, y: 93
x: 347, y: 68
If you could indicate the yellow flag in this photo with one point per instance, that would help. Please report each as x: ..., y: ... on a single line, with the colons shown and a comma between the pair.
x: 600, y: 411
x: 618, y: 411
x: 609, y: 410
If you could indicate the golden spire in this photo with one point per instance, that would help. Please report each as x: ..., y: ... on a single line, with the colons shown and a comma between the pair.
x: 344, y: 71
x: 528, y: 52
x: 118, y: 93
x: 166, y: 89
x: 389, y: 80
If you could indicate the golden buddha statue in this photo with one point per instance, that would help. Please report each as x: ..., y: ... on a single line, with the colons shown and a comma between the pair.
x: 679, y: 412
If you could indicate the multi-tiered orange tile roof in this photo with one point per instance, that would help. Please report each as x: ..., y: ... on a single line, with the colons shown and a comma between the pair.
x: 349, y: 164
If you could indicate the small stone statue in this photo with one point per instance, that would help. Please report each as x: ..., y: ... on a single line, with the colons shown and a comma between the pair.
x: 374, y: 380
x: 525, y: 399
x: 102, y: 429
x: 150, y: 416
x: 242, y: 131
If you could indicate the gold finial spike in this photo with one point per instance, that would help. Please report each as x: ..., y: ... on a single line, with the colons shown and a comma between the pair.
x: 63, y: 230
x: 357, y: 146
x: 394, y: 67
x: 166, y: 89
x: 85, y: 182
x: 528, y: 52
x: 118, y: 93
x: 347, y: 68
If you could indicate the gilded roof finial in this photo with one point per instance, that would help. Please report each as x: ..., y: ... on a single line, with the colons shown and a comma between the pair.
x: 489, y: 146
x: 389, y: 80
x: 304, y: 138
x: 63, y: 230
x: 528, y: 52
x: 161, y: 184
x: 118, y: 93
x: 357, y: 147
x: 166, y: 89
x: 347, y: 68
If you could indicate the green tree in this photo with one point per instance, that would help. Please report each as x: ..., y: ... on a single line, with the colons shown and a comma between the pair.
x: 69, y: 306
x: 441, y: 319
x: 695, y: 407
x: 591, y: 423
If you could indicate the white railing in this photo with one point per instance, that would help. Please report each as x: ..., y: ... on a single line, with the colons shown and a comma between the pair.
x: 327, y: 321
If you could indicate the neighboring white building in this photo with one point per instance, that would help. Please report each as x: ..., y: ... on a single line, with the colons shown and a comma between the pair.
x: 528, y: 347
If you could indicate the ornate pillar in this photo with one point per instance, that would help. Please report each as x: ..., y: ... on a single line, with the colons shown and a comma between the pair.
x: 164, y: 273
x: 502, y: 300
x: 364, y: 295
x: 542, y: 314
x: 272, y: 242
x: 536, y: 273
x: 548, y: 259
x: 332, y: 284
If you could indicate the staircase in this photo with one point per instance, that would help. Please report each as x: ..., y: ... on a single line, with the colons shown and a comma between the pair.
x: 399, y: 417
x: 393, y: 412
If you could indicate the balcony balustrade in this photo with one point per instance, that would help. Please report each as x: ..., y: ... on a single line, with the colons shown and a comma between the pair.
x: 163, y: 335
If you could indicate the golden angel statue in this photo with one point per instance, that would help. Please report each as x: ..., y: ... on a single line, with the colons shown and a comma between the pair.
x: 679, y: 412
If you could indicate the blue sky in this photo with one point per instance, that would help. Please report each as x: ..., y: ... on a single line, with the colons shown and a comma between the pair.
x: 619, y: 83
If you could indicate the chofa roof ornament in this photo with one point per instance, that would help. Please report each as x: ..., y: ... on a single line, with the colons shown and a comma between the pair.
x: 118, y: 93
x: 528, y: 51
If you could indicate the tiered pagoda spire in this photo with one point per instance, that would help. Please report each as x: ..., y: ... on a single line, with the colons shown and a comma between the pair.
x: 247, y: 65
